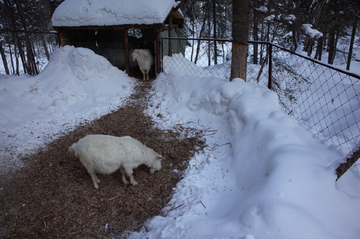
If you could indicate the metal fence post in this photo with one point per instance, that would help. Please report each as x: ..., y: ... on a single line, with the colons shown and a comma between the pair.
x: 162, y: 54
x: 270, y: 65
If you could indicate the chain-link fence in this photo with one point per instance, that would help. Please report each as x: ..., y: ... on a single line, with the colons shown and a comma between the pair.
x: 26, y: 52
x: 324, y: 99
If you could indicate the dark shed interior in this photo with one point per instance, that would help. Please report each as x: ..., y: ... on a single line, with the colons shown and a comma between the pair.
x: 116, y: 43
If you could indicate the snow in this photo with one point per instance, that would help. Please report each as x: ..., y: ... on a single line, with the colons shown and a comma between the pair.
x: 290, y: 17
x: 269, y: 18
x: 262, y: 176
x: 313, y: 33
x: 72, y: 88
x: 262, y: 9
x: 111, y: 12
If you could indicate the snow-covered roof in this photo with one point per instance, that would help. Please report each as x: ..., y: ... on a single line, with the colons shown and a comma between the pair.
x: 75, y: 13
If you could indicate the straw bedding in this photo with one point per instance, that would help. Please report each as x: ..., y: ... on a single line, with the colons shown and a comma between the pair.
x: 53, y: 195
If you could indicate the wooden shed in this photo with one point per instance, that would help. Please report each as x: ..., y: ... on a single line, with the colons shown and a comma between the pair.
x: 113, y: 28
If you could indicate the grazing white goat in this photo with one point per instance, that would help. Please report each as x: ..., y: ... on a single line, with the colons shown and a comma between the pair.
x: 106, y: 154
x: 144, y: 59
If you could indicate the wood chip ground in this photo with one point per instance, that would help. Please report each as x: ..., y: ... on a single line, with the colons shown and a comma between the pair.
x: 53, y: 195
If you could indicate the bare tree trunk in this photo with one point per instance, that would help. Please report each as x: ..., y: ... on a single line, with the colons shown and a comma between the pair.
x: 223, y: 51
x: 262, y: 36
x: 193, y: 30
x: 240, y: 34
x: 267, y: 54
x: 45, y: 47
x: 11, y: 58
x: 255, y: 33
x: 29, y: 46
x: 319, y: 49
x: 215, y: 36
x: 3, y: 57
x: 16, y: 58
x: 317, y: 15
x: 293, y: 29
x: 17, y: 39
x: 200, y: 34
x: 352, y: 43
x: 333, y: 38
x: 209, y: 30
x: 309, y: 46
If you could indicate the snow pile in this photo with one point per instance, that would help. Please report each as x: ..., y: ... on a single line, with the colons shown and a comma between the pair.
x: 76, y: 85
x: 181, y: 63
x: 263, y: 176
x: 178, y: 61
x: 111, y: 12
x: 313, y: 33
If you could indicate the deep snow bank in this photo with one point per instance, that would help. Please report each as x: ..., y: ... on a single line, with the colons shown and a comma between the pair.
x: 76, y: 85
x: 276, y: 181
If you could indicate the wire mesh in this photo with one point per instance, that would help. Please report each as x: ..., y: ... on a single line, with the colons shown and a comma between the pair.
x: 199, y: 57
x: 322, y: 98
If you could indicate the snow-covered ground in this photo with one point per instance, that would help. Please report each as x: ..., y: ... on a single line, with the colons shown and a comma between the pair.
x: 262, y: 176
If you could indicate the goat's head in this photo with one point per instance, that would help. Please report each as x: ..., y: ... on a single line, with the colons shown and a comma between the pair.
x: 135, y: 54
x: 156, y: 164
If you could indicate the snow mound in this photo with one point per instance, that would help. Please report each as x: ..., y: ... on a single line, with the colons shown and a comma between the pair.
x: 313, y: 33
x: 76, y: 85
x: 263, y: 176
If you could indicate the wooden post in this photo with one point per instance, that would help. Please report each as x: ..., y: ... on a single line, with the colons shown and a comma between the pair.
x: 61, y: 39
x: 170, y: 35
x: 240, y: 34
x: 270, y: 67
x: 162, y: 55
x: 238, y: 61
x: 157, y: 51
x: 127, y: 55
x: 349, y: 162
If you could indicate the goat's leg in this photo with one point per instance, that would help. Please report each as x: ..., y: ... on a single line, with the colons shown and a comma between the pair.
x: 126, y: 182
x: 94, y: 178
x: 143, y: 76
x: 132, y: 180
x: 147, y: 75
x: 129, y: 172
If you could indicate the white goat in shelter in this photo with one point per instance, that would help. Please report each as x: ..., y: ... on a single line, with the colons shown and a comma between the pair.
x: 145, y: 61
x: 106, y: 154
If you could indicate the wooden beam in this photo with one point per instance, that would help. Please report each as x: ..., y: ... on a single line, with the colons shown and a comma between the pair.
x: 157, y: 51
x: 114, y: 27
x: 127, y: 54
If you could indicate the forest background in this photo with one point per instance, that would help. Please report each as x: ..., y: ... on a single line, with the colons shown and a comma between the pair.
x: 282, y: 22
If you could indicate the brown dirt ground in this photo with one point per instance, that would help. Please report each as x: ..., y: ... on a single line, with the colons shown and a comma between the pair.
x: 53, y: 195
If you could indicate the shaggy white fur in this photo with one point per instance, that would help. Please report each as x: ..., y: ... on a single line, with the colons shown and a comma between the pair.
x: 106, y: 154
x: 145, y: 61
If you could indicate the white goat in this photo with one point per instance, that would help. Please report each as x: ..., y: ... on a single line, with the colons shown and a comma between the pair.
x: 144, y: 59
x: 105, y: 154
